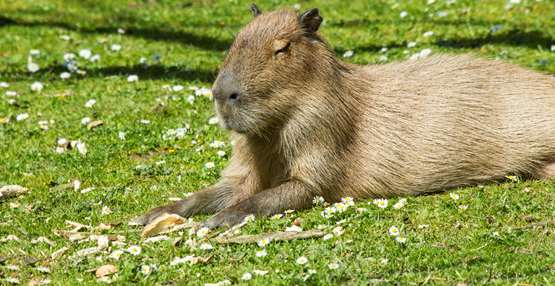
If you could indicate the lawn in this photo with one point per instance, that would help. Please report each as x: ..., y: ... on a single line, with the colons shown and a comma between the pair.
x: 142, y: 68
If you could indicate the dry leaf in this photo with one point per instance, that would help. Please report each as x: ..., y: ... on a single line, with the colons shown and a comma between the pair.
x: 94, y: 124
x: 12, y: 191
x: 162, y: 223
x: 273, y: 236
x: 105, y: 270
x: 58, y: 253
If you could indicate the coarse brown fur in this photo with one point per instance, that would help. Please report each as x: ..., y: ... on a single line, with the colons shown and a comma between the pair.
x: 306, y: 124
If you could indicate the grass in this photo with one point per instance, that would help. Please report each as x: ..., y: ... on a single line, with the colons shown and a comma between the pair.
x: 504, y: 237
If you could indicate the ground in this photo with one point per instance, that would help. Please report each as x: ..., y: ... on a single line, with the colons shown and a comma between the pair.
x: 497, y: 234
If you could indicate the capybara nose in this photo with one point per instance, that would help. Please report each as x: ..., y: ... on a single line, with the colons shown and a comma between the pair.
x: 226, y: 89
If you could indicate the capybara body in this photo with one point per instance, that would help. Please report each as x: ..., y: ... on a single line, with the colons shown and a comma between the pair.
x: 306, y: 124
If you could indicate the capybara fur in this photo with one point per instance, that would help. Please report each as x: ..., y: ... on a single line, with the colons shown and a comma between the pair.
x: 306, y: 124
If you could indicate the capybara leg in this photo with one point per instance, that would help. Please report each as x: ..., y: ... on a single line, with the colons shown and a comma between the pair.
x: 548, y: 171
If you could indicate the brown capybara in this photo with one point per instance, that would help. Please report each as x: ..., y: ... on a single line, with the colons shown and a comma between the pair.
x: 306, y: 124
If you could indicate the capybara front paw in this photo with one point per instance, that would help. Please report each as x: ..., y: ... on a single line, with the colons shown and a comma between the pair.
x: 157, y: 212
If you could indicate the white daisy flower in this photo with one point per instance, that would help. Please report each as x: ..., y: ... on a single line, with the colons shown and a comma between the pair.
x: 333, y: 266
x: 95, y: 58
x: 403, y: 14
x: 263, y: 242
x: 65, y: 75
x: 105, y: 210
x: 246, y: 276
x: 4, y: 84
x: 85, y: 53
x: 134, y: 249
x: 34, y: 52
x: 454, y: 196
x: 428, y: 34
x: 115, y: 255
x: 348, y: 201
x: 81, y: 147
x: 121, y: 31
x: 463, y: 207
x: 348, y: 54
x: 43, y: 124
x: 32, y: 67
x: 191, y: 99
x: 115, y: 47
x: 261, y: 253
x: 411, y: 45
x: 144, y: 121
x: 381, y: 203
x: 394, y: 231
x: 206, y: 246
x: 11, y: 93
x: 202, y: 232
x: 401, y: 203
x: 69, y: 57
x: 302, y: 260
x: 177, y: 88
x: 121, y: 135
x: 22, y: 116
x: 146, y: 270
x: 85, y: 120
x: 37, y: 86
x: 204, y: 92
x: 220, y: 153
x: 209, y: 165
x: 133, y: 78
x: 318, y: 200
x: 401, y: 239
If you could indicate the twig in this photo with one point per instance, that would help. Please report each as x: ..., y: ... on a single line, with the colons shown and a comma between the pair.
x: 274, y: 236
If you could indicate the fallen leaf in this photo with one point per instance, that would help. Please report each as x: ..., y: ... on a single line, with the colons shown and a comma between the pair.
x: 105, y: 270
x: 12, y: 191
x: 94, y: 124
x: 163, y: 223
x: 58, y: 253
x: 273, y: 236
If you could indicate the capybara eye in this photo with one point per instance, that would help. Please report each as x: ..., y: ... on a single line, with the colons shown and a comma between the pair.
x: 281, y: 46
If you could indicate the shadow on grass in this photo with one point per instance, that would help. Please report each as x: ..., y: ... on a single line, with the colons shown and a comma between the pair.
x: 514, y: 37
x: 150, y: 72
x: 200, y: 41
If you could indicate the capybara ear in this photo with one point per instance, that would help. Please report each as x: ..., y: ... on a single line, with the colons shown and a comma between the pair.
x: 311, y: 20
x: 255, y: 10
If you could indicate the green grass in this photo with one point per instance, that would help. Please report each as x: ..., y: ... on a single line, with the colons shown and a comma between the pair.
x: 504, y: 237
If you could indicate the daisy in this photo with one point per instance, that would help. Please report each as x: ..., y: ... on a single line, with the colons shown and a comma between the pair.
x: 22, y: 116
x: 381, y: 203
x: 220, y: 153
x: 144, y: 121
x: 348, y: 54
x: 65, y: 75
x: 202, y: 232
x: 146, y: 270
x: 454, y: 196
x: 302, y: 260
x: 37, y: 86
x: 263, y: 242
x: 133, y: 78
x: 121, y: 135
x: 209, y: 165
x: 95, y: 58
x: 90, y: 103
x: 85, y: 53
x: 4, y: 84
x: 11, y: 93
x: 318, y: 200
x: 116, y: 254
x: 206, y: 246
x: 246, y: 276
x: 261, y: 253
x: 85, y: 120
x: 401, y: 239
x: 403, y: 14
x: 115, y: 47
x: 177, y: 88
x: 260, y: 272
x: 69, y: 57
x: 32, y: 67
x: 401, y: 203
x: 394, y: 231
x: 333, y: 266
x: 428, y: 34
x: 134, y: 249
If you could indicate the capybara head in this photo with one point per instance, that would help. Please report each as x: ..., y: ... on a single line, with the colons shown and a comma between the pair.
x: 274, y: 57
